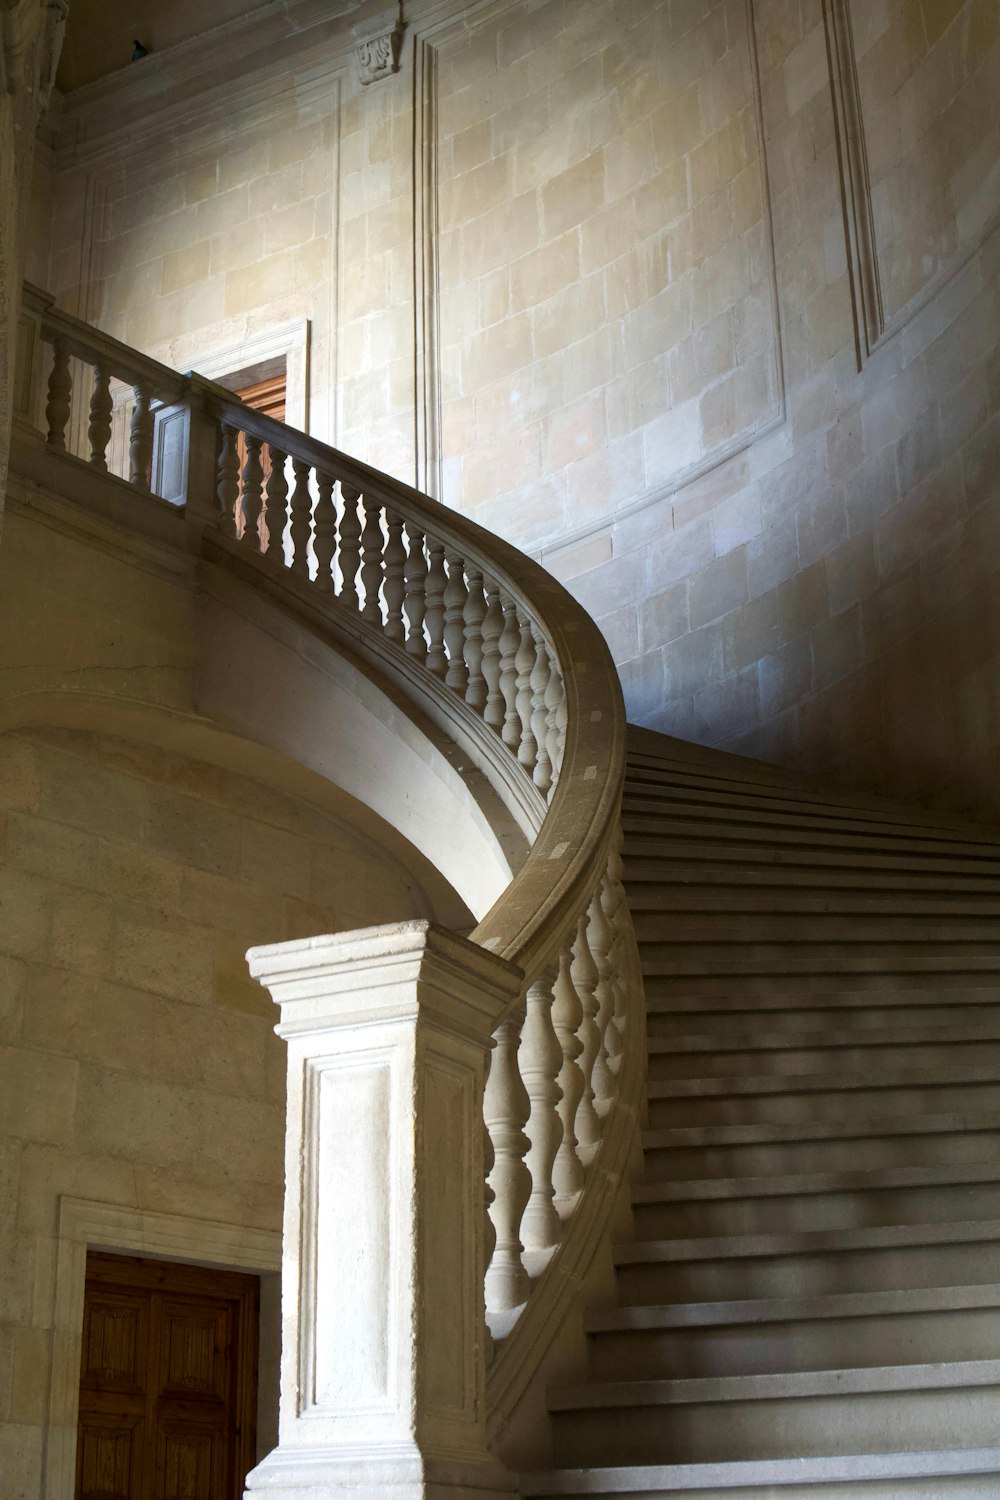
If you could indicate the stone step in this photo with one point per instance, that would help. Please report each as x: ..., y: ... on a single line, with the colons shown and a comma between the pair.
x: 773, y: 821
x: 785, y: 1050
x: 748, y: 989
x: 744, y: 957
x: 692, y: 791
x: 760, y: 1150
x: 809, y: 1414
x: 958, y: 1474
x: 851, y: 1006
x: 700, y: 1207
x: 770, y: 1336
x: 666, y: 901
x: 646, y: 824
x: 810, y: 1263
x: 790, y: 1098
x: 647, y: 840
x: 780, y: 926
x: 647, y: 873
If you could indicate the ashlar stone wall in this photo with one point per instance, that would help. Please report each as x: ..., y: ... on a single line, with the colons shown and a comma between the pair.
x: 696, y: 299
x: 138, y: 1064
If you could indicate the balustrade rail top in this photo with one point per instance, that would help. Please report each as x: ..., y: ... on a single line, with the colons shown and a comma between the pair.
x: 588, y: 793
x: 572, y: 845
x: 97, y: 348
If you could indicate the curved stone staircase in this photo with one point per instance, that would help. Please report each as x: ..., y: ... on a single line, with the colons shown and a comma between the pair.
x: 810, y: 1303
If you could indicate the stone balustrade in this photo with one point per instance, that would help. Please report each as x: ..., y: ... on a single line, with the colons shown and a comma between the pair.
x: 514, y: 664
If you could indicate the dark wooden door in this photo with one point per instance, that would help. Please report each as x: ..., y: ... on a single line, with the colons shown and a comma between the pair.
x: 168, y: 1381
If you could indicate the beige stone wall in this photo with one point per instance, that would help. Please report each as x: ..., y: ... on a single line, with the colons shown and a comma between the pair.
x: 139, y: 1065
x: 595, y: 273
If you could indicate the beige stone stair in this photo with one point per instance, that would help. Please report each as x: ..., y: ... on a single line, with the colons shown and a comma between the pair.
x: 810, y: 1300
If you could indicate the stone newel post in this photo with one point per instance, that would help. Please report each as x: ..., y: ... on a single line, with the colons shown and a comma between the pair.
x: 383, y: 1368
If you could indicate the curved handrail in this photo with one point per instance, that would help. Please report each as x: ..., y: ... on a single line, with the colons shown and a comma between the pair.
x: 465, y: 614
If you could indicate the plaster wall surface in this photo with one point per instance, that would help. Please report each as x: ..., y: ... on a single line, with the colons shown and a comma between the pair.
x: 697, y: 301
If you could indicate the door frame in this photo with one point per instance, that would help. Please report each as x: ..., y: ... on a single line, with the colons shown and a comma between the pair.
x: 86, y: 1225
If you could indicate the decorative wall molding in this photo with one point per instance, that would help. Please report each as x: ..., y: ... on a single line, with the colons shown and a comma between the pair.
x: 855, y: 183
x: 86, y: 1225
x: 873, y: 324
x: 428, y: 43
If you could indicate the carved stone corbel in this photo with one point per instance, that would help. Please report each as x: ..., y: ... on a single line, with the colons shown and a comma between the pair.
x: 378, y: 55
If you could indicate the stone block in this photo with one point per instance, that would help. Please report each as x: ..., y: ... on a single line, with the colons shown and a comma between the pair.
x: 543, y: 272
x: 803, y: 602
x: 718, y: 589
x: 726, y: 708
x: 664, y: 617
x: 193, y: 833
x: 572, y: 196
x: 176, y: 961
x: 750, y: 633
x: 82, y: 927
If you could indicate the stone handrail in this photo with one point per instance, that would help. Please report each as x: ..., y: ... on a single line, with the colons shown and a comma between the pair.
x: 461, y: 610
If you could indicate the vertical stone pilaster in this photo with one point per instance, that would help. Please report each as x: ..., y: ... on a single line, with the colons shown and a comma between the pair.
x: 383, y: 1369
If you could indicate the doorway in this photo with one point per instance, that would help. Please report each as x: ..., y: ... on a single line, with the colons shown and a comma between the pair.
x: 168, y: 1381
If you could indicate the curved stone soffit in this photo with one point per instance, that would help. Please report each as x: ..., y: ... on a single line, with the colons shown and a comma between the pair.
x: 216, y: 741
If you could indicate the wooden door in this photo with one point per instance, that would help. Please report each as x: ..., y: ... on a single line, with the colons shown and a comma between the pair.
x: 168, y: 1381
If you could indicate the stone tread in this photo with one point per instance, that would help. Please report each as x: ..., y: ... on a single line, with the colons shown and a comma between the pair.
x: 673, y: 1478
x: 954, y: 1375
x: 686, y: 1136
x: 773, y: 818
x: 749, y: 1086
x: 808, y: 1039
x: 792, y: 1309
x: 803, y: 1242
x: 644, y: 842
x: 929, y: 996
x: 715, y: 1189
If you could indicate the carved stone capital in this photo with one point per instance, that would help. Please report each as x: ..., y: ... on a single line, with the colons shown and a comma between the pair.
x: 378, y: 55
x: 31, y: 36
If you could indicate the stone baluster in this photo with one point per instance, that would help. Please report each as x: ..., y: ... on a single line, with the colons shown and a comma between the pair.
x: 510, y: 640
x: 540, y: 1059
x: 325, y: 538
x: 252, y: 479
x: 524, y: 661
x: 415, y: 598
x: 618, y: 916
x: 601, y: 940
x: 489, y: 1233
x: 140, y: 447
x: 554, y: 695
x: 493, y: 712
x: 227, y: 489
x: 434, y: 608
x: 394, y: 587
x: 455, y: 595
x: 301, y: 513
x: 349, y: 549
x: 60, y: 393
x: 505, y: 1110
x: 567, y: 1013
x: 540, y: 674
x: 583, y: 972
x: 276, y: 505
x: 473, y: 616
x: 372, y: 544
x: 101, y: 408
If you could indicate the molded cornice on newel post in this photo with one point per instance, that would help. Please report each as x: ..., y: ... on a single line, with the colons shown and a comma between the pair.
x: 383, y: 1336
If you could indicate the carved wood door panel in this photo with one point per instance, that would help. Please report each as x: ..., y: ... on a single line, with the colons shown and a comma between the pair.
x: 168, y: 1381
